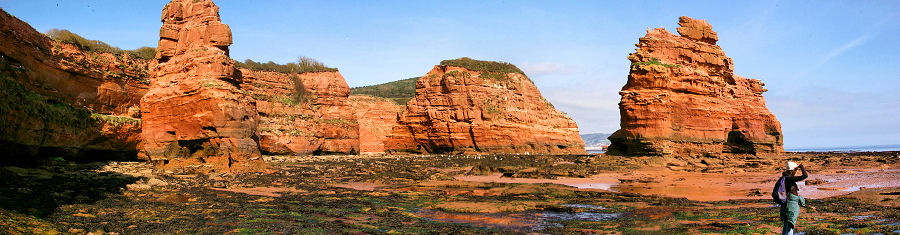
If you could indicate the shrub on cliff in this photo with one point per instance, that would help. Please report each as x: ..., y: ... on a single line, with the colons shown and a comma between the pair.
x: 147, y: 53
x: 483, y: 66
x: 98, y: 46
x: 303, y: 65
x: 299, y: 94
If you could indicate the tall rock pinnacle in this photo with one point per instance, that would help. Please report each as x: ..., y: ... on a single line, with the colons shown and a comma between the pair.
x: 195, y: 115
x: 682, y: 98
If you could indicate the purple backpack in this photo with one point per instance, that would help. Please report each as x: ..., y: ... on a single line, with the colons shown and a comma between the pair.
x: 780, y: 193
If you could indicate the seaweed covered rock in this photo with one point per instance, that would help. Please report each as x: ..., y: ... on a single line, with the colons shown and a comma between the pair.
x: 473, y: 106
x: 682, y: 98
x: 196, y: 117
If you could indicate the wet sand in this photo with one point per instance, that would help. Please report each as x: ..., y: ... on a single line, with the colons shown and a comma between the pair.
x: 700, y: 186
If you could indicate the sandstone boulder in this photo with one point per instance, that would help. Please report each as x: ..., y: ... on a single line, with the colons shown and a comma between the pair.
x: 682, y: 98
x: 196, y: 117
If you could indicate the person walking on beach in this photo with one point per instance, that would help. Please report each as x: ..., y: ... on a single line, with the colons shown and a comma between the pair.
x: 786, y: 193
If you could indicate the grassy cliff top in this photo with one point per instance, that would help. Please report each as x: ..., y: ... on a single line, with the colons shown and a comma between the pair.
x: 303, y: 65
x: 483, y: 66
x: 66, y: 36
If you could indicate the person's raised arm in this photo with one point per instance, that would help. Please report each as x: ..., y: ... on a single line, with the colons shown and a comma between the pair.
x: 803, y: 175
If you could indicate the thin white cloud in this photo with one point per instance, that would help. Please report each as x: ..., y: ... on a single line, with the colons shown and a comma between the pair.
x: 834, y: 53
x: 544, y: 68
x: 873, y: 29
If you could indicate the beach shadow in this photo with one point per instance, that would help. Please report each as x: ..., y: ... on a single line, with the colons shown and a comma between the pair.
x: 40, y: 190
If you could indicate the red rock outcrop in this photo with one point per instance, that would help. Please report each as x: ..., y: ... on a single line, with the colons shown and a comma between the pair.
x: 682, y: 98
x: 307, y: 113
x: 376, y: 117
x: 196, y: 117
x: 463, y: 110
x: 57, y: 100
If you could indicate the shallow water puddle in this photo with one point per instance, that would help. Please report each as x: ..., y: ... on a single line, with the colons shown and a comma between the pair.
x: 602, y: 183
x: 523, y: 221
x: 362, y: 186
x: 261, y: 191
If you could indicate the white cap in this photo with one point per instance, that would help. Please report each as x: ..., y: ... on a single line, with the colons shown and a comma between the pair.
x: 791, y: 165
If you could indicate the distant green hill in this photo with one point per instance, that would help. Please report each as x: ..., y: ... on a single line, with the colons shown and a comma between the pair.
x: 400, y: 91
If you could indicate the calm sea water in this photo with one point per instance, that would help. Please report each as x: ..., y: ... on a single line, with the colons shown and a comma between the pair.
x: 869, y: 148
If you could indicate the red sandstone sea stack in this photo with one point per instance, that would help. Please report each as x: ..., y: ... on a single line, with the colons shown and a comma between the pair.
x: 196, y: 117
x: 683, y: 99
x: 472, y: 106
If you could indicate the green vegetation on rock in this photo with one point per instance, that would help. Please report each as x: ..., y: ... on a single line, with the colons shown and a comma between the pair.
x: 303, y: 65
x: 69, y: 37
x: 16, y: 98
x: 654, y: 61
x: 400, y: 91
x: 299, y: 94
x: 483, y: 66
x: 115, y: 120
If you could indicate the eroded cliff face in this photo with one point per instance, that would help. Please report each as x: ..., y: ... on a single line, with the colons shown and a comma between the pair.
x: 682, y: 98
x: 461, y: 110
x: 196, y: 117
x: 307, y: 113
x: 376, y: 117
x: 59, y: 101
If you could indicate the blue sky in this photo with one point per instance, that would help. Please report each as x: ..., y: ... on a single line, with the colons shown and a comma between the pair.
x: 831, y: 67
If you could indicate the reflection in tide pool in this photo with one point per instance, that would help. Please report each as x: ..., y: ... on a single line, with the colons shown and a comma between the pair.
x: 522, y: 221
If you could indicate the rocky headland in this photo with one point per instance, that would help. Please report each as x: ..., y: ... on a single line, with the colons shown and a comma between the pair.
x: 473, y: 106
x: 682, y: 98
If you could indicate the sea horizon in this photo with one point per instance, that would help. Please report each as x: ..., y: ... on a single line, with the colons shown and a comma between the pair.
x: 859, y: 148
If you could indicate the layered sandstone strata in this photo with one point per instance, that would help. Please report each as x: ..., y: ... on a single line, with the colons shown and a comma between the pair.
x: 468, y: 110
x: 57, y: 100
x: 196, y: 117
x: 306, y: 113
x: 682, y: 98
x: 376, y: 117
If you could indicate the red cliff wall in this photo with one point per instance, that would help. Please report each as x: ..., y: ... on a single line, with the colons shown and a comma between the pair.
x: 682, y: 98
x: 461, y: 110
x: 317, y: 120
x: 59, y: 101
x: 376, y: 117
x: 196, y: 117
